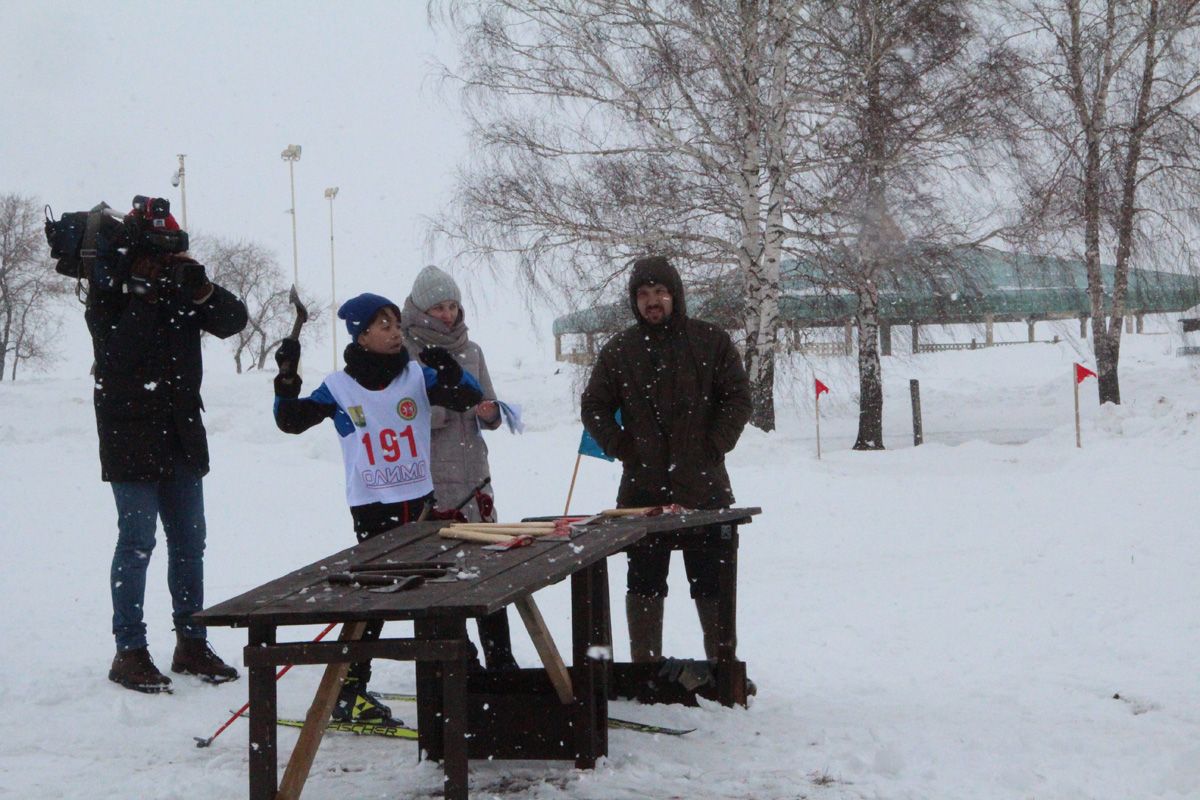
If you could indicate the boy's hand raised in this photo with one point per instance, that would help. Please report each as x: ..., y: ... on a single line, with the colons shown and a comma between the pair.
x: 448, y: 369
x: 288, y: 355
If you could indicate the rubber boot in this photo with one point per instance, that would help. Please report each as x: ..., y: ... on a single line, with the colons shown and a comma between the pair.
x: 707, y: 610
x: 645, y: 617
x: 496, y: 641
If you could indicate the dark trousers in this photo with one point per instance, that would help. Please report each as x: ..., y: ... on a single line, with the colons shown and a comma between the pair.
x: 648, y: 568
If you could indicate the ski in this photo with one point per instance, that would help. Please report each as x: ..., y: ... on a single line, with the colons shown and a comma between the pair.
x: 359, y: 728
x: 646, y: 727
x: 613, y: 722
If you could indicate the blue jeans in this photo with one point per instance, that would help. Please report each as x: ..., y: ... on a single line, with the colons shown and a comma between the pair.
x: 179, y: 502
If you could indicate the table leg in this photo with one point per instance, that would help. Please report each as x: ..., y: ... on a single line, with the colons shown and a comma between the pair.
x: 429, y: 696
x: 454, y: 731
x: 731, y: 677
x: 587, y: 631
x: 264, y: 767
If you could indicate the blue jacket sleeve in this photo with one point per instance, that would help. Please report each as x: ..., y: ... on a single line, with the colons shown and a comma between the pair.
x: 294, y: 414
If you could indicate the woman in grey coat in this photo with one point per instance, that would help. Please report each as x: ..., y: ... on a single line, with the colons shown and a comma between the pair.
x: 433, y: 317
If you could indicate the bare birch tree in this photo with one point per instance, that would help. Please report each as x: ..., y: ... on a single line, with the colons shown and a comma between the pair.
x: 609, y: 129
x: 915, y: 96
x: 1119, y: 126
x: 28, y: 285
x: 252, y: 273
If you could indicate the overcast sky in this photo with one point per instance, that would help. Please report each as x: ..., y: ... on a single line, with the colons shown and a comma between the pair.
x: 97, y: 99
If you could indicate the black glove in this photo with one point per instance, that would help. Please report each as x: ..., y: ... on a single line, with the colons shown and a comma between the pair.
x: 626, y: 449
x: 288, y: 356
x: 448, y: 369
x: 688, y: 673
x: 287, y: 384
x: 144, y: 278
x: 190, y: 279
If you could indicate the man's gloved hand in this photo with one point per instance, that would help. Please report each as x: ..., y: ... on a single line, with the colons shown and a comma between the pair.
x: 143, y: 277
x: 287, y: 356
x: 190, y: 279
x: 626, y: 450
x: 449, y: 370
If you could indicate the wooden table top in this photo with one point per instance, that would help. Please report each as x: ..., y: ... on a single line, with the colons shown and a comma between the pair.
x: 497, y: 578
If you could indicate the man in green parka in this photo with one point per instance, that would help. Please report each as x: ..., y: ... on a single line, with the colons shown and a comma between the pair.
x: 684, y: 399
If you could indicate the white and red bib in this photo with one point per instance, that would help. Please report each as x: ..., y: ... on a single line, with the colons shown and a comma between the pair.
x: 387, y: 454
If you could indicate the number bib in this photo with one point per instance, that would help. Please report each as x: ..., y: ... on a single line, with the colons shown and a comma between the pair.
x: 387, y: 453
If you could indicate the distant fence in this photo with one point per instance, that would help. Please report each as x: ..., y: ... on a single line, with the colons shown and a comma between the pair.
x: 823, y: 349
x: 943, y: 347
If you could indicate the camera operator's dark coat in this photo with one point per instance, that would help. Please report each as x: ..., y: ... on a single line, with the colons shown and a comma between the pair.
x: 684, y: 399
x: 148, y: 374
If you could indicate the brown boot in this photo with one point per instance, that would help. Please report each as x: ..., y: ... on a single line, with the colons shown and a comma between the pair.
x: 195, y: 657
x: 707, y: 609
x: 134, y: 669
x: 645, y: 617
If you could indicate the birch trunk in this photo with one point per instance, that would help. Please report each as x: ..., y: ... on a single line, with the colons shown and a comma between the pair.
x: 870, y: 384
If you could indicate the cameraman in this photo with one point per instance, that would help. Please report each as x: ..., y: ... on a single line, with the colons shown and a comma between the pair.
x: 146, y: 325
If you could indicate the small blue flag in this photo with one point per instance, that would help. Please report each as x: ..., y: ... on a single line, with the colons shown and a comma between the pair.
x: 590, y: 447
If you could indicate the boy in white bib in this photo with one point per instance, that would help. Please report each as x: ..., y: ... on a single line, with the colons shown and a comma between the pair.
x: 380, y: 406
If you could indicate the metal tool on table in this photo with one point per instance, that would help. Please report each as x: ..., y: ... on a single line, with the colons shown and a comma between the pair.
x: 396, y: 577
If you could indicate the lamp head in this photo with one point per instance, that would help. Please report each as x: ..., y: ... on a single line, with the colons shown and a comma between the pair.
x: 291, y: 153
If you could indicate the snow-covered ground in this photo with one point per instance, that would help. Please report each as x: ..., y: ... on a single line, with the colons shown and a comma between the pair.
x: 995, y: 614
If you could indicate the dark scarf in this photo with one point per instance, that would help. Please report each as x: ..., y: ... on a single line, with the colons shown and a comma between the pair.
x: 373, y: 371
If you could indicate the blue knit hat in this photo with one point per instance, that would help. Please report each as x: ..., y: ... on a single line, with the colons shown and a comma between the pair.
x: 360, y: 310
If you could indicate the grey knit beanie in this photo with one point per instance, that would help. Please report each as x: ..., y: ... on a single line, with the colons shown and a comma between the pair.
x: 433, y: 286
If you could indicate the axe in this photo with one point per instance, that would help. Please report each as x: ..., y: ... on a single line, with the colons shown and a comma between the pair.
x: 301, y: 318
x: 301, y: 312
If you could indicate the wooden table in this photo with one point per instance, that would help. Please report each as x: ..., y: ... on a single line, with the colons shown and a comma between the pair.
x: 460, y: 716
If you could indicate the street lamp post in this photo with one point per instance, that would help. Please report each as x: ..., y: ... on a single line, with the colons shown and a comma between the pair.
x: 331, y: 193
x: 291, y: 154
x: 180, y: 179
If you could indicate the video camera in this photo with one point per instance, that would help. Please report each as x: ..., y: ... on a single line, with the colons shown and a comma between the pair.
x: 100, y: 245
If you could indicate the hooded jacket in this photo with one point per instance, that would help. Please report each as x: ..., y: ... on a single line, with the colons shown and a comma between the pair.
x: 684, y: 400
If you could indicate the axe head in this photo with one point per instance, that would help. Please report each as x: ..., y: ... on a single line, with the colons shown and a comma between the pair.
x: 301, y: 312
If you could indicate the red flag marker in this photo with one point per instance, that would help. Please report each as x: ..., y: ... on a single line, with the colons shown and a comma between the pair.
x: 819, y: 388
x: 1080, y: 372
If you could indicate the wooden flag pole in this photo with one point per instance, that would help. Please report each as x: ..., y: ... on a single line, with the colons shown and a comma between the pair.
x: 1075, y: 384
x: 571, y: 491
